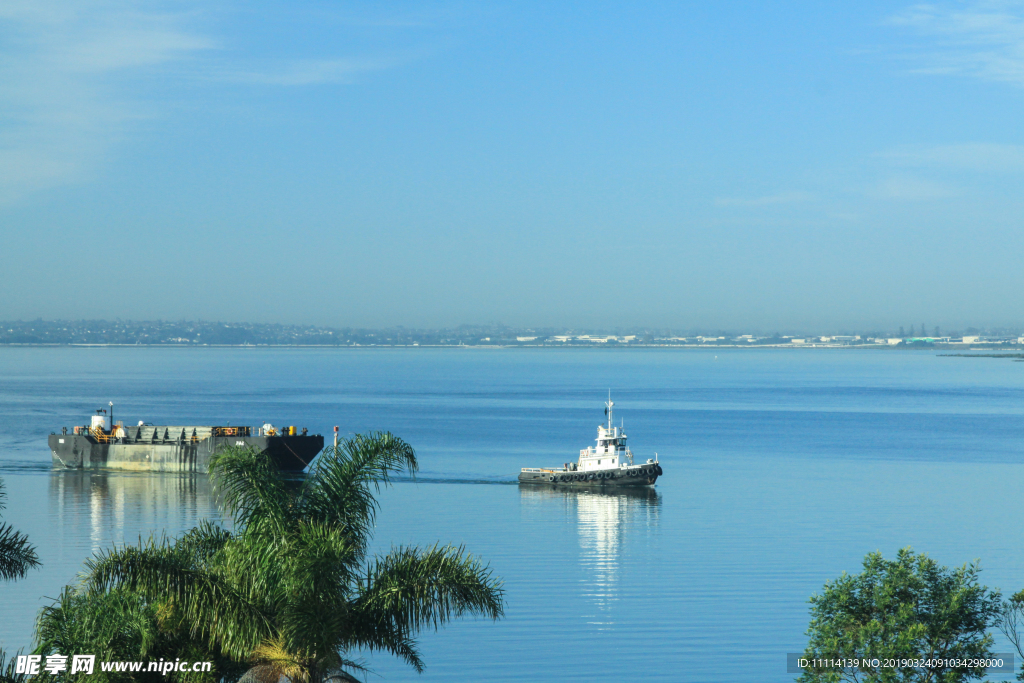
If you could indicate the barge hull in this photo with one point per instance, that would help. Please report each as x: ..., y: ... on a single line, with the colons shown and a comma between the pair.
x: 77, y: 451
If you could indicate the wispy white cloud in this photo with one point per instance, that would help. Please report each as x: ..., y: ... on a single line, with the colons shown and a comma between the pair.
x: 304, y: 72
x: 907, y: 173
x: 978, y: 157
x: 910, y: 188
x: 58, y: 66
x: 795, y: 197
x: 71, y: 74
x: 980, y: 38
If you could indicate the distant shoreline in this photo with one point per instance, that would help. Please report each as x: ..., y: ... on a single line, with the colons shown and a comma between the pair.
x: 614, y: 347
x: 245, y: 335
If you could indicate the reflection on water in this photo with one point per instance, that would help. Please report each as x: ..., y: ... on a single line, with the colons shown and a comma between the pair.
x: 604, y: 520
x: 118, y: 507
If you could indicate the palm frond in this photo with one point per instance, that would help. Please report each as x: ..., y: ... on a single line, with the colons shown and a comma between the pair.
x: 251, y: 488
x: 203, y: 541
x: 113, y: 625
x: 210, y: 603
x: 385, y: 636
x: 336, y: 672
x: 8, y: 668
x: 17, y: 555
x: 416, y: 588
x: 256, y: 566
x: 340, y: 487
x: 320, y: 556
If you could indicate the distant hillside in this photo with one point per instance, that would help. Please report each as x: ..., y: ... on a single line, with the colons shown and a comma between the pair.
x: 163, y: 333
x: 259, y: 334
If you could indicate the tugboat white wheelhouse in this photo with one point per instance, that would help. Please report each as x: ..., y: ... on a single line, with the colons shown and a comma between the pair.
x: 608, y: 464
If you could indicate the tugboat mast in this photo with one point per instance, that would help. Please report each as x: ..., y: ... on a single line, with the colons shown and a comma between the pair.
x: 608, y: 409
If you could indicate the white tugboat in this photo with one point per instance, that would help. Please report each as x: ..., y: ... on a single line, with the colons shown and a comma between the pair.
x: 608, y: 464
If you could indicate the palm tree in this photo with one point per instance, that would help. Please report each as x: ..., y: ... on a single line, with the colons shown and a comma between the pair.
x: 291, y: 590
x: 17, y: 555
x: 9, y: 670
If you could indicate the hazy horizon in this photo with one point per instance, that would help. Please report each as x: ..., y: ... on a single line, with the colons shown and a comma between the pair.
x: 145, y: 329
x: 735, y: 167
x: 740, y: 329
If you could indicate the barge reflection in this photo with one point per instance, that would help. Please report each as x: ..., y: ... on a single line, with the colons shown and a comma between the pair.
x: 117, y: 507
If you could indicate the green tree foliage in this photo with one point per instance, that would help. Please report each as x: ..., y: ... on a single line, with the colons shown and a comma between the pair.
x: 118, y: 625
x: 17, y: 555
x: 291, y: 591
x: 907, y: 608
x: 8, y: 668
x: 1011, y: 624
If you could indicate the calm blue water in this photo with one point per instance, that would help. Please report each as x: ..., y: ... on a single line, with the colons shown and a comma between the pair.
x: 782, y: 469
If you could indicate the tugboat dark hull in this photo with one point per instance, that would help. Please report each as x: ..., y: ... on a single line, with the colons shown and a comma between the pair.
x: 630, y: 477
x: 81, y: 451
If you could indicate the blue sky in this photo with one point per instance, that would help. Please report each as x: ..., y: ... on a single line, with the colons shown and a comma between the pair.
x: 755, y: 166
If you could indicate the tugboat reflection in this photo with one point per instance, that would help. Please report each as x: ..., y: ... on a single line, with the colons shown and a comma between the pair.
x: 604, y: 521
x: 94, y: 509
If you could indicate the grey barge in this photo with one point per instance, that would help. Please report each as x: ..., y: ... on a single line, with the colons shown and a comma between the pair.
x: 609, y: 464
x: 175, y: 448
